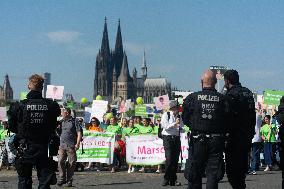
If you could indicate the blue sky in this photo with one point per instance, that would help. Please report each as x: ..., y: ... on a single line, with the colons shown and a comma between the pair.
x: 181, y: 39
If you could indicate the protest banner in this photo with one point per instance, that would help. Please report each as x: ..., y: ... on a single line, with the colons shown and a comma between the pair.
x: 99, y: 108
x: 141, y: 110
x: 3, y: 114
x: 54, y: 92
x: 272, y: 97
x: 97, y: 147
x: 162, y: 102
x: 149, y: 149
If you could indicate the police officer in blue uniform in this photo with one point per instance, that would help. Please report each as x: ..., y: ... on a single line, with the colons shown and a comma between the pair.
x: 205, y: 112
x: 34, y: 120
x: 242, y: 129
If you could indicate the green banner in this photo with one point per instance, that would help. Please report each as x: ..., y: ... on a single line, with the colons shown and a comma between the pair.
x: 70, y: 105
x: 2, y: 134
x: 94, y: 153
x: 97, y: 147
x: 141, y: 110
x: 272, y: 97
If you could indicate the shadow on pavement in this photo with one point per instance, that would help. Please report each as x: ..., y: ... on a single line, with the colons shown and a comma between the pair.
x: 114, y: 183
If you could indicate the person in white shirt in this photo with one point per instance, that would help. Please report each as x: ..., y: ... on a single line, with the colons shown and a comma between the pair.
x: 256, y: 142
x: 171, y: 125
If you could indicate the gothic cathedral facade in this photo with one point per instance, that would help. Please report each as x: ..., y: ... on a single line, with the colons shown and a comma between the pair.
x: 112, y: 78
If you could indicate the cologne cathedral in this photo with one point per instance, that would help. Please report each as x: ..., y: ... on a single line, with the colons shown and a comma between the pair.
x: 112, y: 77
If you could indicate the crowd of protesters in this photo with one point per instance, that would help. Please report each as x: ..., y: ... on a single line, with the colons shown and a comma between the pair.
x: 264, y: 153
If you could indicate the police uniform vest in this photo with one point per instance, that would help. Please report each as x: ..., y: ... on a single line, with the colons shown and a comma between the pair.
x: 37, y: 119
x: 208, y: 112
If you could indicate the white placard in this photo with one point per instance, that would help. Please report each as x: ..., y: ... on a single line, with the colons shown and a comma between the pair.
x: 99, y: 108
x: 162, y: 102
x: 54, y: 92
x: 3, y: 114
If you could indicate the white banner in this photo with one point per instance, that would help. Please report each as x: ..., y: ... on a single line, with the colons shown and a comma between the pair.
x: 3, y: 114
x: 97, y: 147
x: 54, y: 92
x: 99, y: 108
x: 149, y: 149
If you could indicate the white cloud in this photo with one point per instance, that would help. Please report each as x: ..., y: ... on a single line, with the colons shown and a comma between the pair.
x: 63, y: 36
x: 136, y: 49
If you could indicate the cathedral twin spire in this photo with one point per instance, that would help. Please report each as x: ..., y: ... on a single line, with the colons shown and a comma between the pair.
x: 105, y: 42
x: 112, y: 65
x: 118, y: 43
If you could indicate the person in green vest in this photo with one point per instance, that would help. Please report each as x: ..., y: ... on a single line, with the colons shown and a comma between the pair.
x: 123, y: 124
x: 106, y: 121
x: 268, y: 132
x: 146, y: 128
x: 116, y: 129
x: 130, y: 129
x: 113, y: 127
x: 138, y: 122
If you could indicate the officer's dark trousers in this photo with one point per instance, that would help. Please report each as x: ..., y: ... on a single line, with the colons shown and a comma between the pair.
x: 172, y: 151
x: 34, y: 155
x: 282, y: 160
x: 207, y: 153
x: 237, y: 150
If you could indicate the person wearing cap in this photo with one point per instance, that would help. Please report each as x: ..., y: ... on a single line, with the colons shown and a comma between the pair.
x: 205, y: 111
x: 171, y: 125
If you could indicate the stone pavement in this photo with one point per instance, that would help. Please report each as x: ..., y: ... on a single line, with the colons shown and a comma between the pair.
x: 124, y: 180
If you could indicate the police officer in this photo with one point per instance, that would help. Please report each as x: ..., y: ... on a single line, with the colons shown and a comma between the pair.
x: 34, y: 120
x: 205, y: 112
x: 280, y: 119
x: 242, y: 129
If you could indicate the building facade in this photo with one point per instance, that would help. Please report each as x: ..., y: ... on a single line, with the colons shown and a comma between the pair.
x: 112, y: 77
x: 6, y: 91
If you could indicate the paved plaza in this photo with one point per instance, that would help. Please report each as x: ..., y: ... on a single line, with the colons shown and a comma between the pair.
x: 124, y: 180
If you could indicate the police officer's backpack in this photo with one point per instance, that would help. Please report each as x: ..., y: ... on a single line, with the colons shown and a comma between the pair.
x: 245, y: 104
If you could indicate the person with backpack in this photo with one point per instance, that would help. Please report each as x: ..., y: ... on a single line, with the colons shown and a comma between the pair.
x: 171, y: 124
x: 70, y: 139
x: 33, y: 120
x: 241, y: 129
